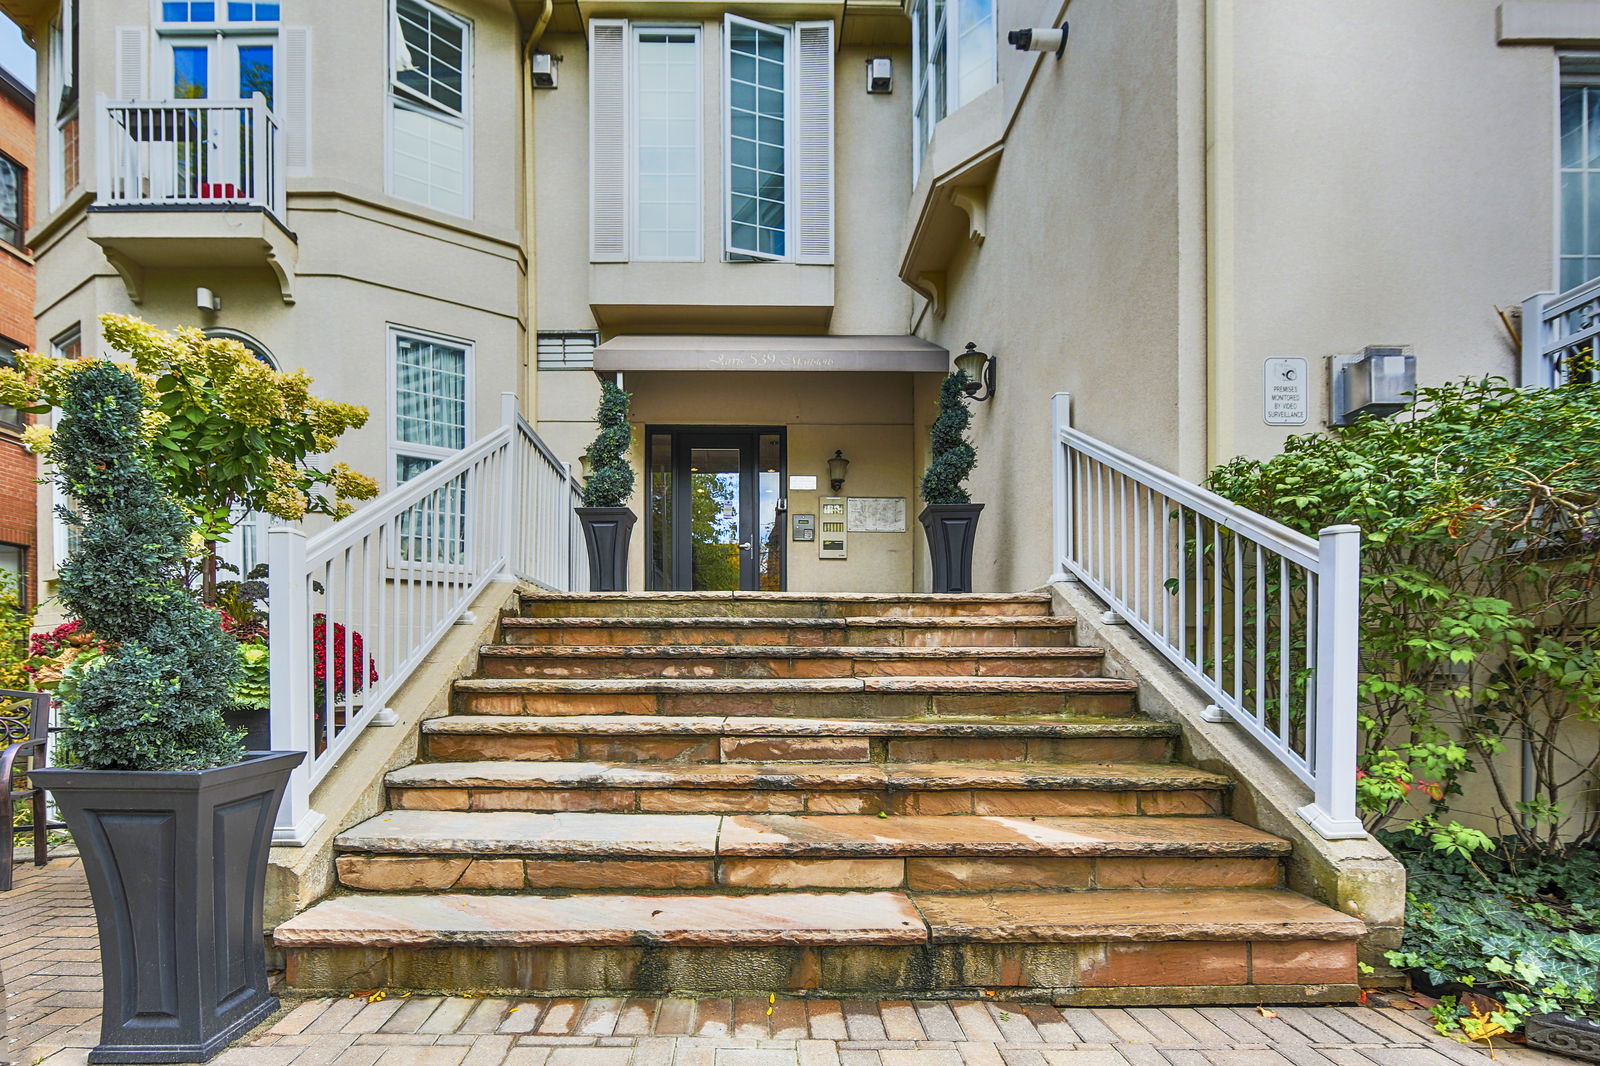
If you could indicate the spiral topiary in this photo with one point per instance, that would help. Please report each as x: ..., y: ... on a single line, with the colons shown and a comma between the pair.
x: 155, y: 701
x: 952, y: 457
x: 610, y: 481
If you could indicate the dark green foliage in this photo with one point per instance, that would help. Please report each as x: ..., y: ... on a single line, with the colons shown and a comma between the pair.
x: 155, y: 701
x: 953, y: 458
x: 611, y: 482
x: 1522, y: 929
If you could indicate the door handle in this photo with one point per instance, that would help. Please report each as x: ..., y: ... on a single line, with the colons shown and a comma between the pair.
x: 745, y: 546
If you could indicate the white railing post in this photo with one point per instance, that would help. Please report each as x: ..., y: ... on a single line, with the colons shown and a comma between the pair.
x: 511, y: 501
x: 1536, y: 369
x: 570, y: 494
x: 259, y: 176
x: 289, y: 639
x: 102, y: 149
x: 1061, y: 528
x: 1335, y: 730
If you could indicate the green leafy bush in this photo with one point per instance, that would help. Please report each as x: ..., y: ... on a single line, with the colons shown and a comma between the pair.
x: 610, y: 482
x: 1480, y: 508
x: 155, y: 700
x: 953, y: 457
x: 1517, y: 927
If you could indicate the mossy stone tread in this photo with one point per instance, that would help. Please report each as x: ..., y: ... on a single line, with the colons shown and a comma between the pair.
x: 719, y: 725
x: 585, y: 834
x: 974, y: 775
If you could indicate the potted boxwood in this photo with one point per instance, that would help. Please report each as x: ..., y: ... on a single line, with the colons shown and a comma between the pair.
x: 607, y: 523
x: 950, y: 518
x: 172, y: 817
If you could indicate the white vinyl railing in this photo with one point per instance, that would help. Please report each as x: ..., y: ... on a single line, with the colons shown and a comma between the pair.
x: 1558, y: 336
x: 356, y: 608
x: 1264, y: 620
x: 173, y: 153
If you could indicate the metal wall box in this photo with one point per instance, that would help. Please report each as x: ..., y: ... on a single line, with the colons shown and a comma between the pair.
x: 1376, y: 383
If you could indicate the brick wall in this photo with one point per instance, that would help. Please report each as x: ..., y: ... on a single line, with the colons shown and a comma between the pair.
x: 18, y: 467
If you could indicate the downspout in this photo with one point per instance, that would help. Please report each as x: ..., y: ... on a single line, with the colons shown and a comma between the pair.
x: 1220, y: 266
x: 530, y: 365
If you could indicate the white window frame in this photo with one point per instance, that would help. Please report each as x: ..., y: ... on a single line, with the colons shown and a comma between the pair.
x: 398, y: 96
x: 1573, y: 70
x: 58, y: 528
x: 221, y: 24
x: 60, y: 68
x: 634, y: 29
x: 729, y: 252
x: 921, y: 73
x: 398, y: 447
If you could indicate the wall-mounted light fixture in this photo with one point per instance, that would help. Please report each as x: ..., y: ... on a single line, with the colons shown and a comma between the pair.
x: 206, y: 300
x: 542, y: 67
x: 1040, y: 39
x: 585, y: 466
x: 836, y: 468
x: 979, y: 367
x: 880, y: 75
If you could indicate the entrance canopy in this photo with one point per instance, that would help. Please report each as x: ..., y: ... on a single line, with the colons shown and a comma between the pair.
x: 713, y: 352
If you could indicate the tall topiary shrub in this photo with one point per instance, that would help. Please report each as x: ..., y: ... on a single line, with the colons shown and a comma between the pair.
x: 155, y: 701
x: 610, y: 481
x: 953, y: 457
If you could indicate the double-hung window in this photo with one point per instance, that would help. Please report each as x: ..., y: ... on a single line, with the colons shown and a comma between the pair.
x: 12, y: 201
x: 1580, y: 180
x: 430, y: 106
x: 953, y: 60
x: 10, y: 417
x: 648, y: 153
x: 66, y: 345
x: 431, y: 384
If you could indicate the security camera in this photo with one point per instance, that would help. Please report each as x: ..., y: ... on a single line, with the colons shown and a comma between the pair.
x: 1039, y: 39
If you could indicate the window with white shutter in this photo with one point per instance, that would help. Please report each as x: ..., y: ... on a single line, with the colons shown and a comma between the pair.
x: 608, y: 140
x: 778, y: 117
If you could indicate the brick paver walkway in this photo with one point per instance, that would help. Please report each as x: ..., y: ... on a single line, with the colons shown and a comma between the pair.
x: 49, y: 955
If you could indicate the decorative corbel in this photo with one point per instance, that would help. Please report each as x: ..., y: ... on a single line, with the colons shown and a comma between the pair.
x: 931, y: 283
x: 974, y: 200
x: 131, y: 273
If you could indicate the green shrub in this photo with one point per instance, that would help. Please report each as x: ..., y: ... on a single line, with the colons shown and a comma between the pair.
x: 155, y: 701
x: 1480, y: 508
x: 1517, y: 927
x: 953, y: 457
x: 610, y: 481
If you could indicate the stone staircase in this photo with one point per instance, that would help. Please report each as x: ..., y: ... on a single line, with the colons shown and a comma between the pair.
x: 900, y: 796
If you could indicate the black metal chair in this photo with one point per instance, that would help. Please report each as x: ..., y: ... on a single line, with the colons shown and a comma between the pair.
x: 27, y: 748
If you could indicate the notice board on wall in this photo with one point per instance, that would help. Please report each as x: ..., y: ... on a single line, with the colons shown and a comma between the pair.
x: 876, y: 514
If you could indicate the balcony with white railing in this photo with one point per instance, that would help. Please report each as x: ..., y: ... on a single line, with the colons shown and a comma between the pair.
x: 190, y: 183
x: 1559, y: 331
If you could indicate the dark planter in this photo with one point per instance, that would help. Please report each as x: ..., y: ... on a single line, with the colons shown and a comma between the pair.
x: 256, y: 722
x: 1577, y: 1038
x: 952, y: 529
x: 606, y: 531
x: 177, y: 867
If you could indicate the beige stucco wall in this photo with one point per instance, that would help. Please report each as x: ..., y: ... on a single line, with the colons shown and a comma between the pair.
x: 1078, y: 286
x: 1389, y: 179
x: 363, y: 259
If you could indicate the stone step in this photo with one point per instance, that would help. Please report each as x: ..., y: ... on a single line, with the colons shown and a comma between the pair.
x: 719, y: 738
x: 733, y: 661
x: 1209, y: 945
x: 406, y: 850
x: 611, y: 631
x: 827, y: 697
x: 785, y: 605
x: 1003, y: 788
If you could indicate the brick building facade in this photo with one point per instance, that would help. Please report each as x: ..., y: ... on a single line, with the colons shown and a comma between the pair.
x: 18, y: 468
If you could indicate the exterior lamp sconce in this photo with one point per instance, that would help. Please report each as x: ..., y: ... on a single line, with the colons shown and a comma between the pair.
x: 585, y: 467
x: 979, y: 367
x: 836, y: 468
x: 542, y: 68
x: 1039, y: 40
x: 880, y: 75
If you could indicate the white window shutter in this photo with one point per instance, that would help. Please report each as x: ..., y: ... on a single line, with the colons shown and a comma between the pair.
x: 132, y: 52
x: 608, y: 140
x: 294, y: 99
x: 813, y: 142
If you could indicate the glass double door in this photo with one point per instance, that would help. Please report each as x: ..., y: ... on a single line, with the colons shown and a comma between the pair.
x: 716, y: 509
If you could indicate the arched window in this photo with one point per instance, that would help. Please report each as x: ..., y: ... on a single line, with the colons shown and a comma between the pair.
x: 256, y: 348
